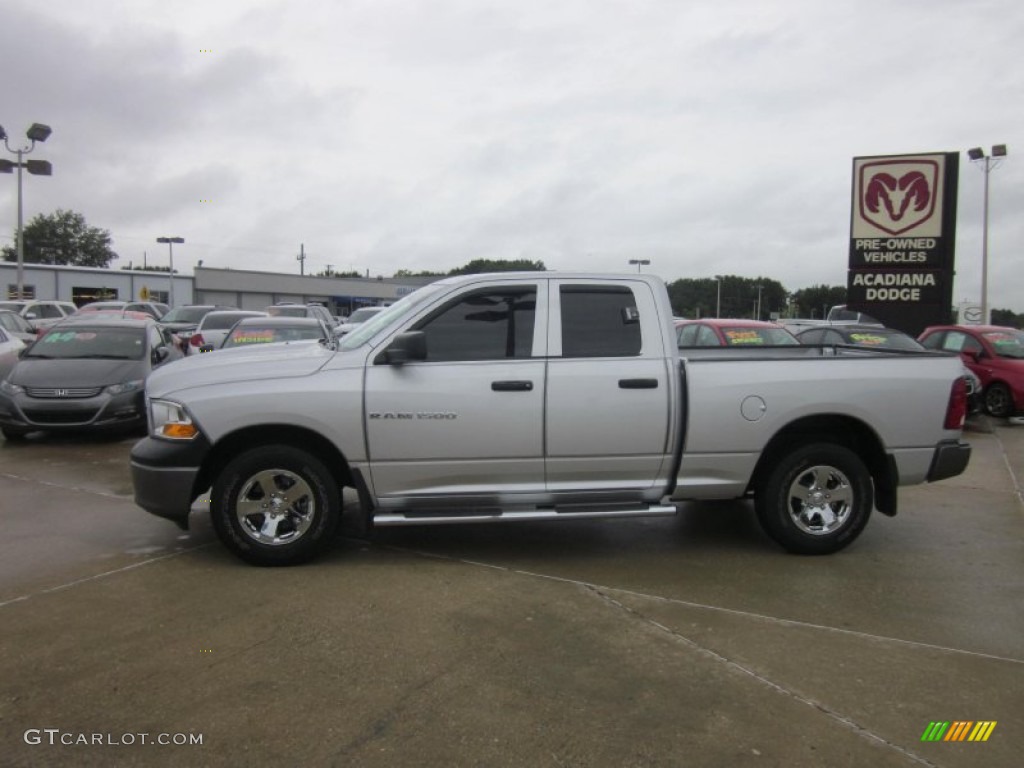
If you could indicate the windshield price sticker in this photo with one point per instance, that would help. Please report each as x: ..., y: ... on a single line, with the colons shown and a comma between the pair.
x: 744, y: 337
x: 867, y: 338
x: 254, y: 337
x: 61, y: 336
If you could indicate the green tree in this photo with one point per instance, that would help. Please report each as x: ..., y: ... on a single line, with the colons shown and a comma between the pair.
x: 817, y: 300
x: 1007, y: 317
x: 738, y: 297
x: 477, y: 266
x: 63, y: 237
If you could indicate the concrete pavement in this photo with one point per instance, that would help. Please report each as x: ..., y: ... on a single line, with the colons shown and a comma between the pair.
x: 690, y: 641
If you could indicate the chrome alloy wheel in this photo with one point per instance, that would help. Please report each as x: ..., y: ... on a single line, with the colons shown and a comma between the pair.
x: 820, y: 500
x: 275, y: 507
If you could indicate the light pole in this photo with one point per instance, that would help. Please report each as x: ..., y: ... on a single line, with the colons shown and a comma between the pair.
x: 718, y: 302
x: 36, y: 132
x: 639, y: 263
x: 988, y: 164
x: 759, y: 287
x: 170, y: 249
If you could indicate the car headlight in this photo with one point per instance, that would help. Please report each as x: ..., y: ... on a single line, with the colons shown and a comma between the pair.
x: 170, y: 421
x: 10, y: 389
x: 126, y: 386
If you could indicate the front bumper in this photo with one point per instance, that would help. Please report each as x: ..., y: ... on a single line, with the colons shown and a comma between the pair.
x: 164, y: 475
x: 949, y: 460
x: 100, y: 411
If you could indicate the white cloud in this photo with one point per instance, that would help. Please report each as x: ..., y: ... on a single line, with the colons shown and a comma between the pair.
x: 711, y: 137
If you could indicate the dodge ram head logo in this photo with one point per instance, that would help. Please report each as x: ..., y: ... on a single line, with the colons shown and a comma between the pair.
x: 898, y: 195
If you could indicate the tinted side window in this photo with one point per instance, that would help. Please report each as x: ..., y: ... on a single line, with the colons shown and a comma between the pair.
x: 599, y: 321
x: 688, y: 335
x: 706, y: 337
x: 811, y: 337
x: 493, y: 324
x: 933, y: 341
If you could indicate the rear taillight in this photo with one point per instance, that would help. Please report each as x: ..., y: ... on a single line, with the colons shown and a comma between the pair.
x: 196, y: 340
x: 956, y: 411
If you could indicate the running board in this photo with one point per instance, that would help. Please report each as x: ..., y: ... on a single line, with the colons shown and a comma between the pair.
x: 496, y: 515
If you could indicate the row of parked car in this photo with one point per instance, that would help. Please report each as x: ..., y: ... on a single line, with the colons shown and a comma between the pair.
x: 993, y: 356
x: 87, y: 369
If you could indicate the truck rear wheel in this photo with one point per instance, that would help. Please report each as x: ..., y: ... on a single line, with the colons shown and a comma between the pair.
x: 275, y: 505
x: 816, y: 499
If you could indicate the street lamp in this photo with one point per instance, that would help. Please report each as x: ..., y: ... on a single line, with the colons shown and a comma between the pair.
x: 718, y: 302
x: 639, y: 263
x: 170, y: 249
x: 759, y: 287
x: 36, y: 132
x: 988, y: 164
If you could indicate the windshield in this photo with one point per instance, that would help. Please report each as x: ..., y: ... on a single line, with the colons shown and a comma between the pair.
x: 11, y: 305
x: 750, y: 337
x: 400, y: 308
x: 223, y: 321
x: 82, y: 343
x: 278, y: 311
x: 185, y: 315
x: 363, y: 314
x: 1008, y: 343
x: 884, y: 339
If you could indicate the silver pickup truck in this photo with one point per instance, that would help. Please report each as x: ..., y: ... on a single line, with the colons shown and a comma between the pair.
x: 538, y: 396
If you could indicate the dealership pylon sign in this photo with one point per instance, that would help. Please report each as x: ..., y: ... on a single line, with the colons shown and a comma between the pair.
x: 902, y: 236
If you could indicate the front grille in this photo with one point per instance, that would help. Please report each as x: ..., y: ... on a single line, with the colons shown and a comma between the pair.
x: 69, y: 393
x: 44, y: 416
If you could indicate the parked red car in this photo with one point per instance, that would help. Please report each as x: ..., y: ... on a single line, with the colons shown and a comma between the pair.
x: 995, y: 353
x: 722, y: 332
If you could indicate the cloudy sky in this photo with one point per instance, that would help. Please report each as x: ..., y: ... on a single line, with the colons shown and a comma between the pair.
x: 707, y: 136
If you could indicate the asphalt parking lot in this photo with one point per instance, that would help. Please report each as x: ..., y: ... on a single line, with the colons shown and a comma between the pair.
x: 688, y: 641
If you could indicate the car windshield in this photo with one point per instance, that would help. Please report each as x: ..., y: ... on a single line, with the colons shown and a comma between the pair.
x: 362, y: 315
x: 400, y: 308
x: 84, y: 342
x: 263, y: 334
x: 11, y: 305
x: 279, y: 311
x: 185, y: 315
x: 882, y: 339
x: 751, y: 337
x: 222, y: 321
x: 1008, y: 343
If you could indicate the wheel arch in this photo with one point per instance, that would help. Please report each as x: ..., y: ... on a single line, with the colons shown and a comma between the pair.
x: 839, y: 429
x: 229, y: 446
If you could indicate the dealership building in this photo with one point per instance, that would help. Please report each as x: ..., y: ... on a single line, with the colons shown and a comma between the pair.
x: 240, y: 288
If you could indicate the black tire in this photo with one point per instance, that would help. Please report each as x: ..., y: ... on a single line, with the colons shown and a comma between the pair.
x: 816, y: 499
x: 275, y: 505
x: 998, y: 400
x: 13, y: 435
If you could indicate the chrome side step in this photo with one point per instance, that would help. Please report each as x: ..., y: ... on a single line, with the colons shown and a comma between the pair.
x: 496, y: 515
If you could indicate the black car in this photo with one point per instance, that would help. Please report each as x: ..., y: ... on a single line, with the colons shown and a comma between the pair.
x: 879, y: 337
x: 83, y: 374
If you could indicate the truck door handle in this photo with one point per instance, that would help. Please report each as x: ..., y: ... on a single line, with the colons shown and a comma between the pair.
x: 638, y: 383
x: 512, y: 386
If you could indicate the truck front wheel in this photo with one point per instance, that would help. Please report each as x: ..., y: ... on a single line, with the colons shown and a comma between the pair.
x: 816, y: 499
x: 275, y: 505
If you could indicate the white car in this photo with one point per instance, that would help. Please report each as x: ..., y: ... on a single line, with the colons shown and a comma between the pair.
x: 10, y: 347
x: 214, y: 327
x: 41, y: 313
x: 358, y: 317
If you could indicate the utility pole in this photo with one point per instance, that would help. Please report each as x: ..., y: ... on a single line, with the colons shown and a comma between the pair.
x: 301, y: 258
x: 329, y: 269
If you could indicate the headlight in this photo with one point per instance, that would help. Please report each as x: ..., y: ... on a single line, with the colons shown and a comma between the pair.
x: 127, y: 386
x: 169, y: 420
x: 10, y: 389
